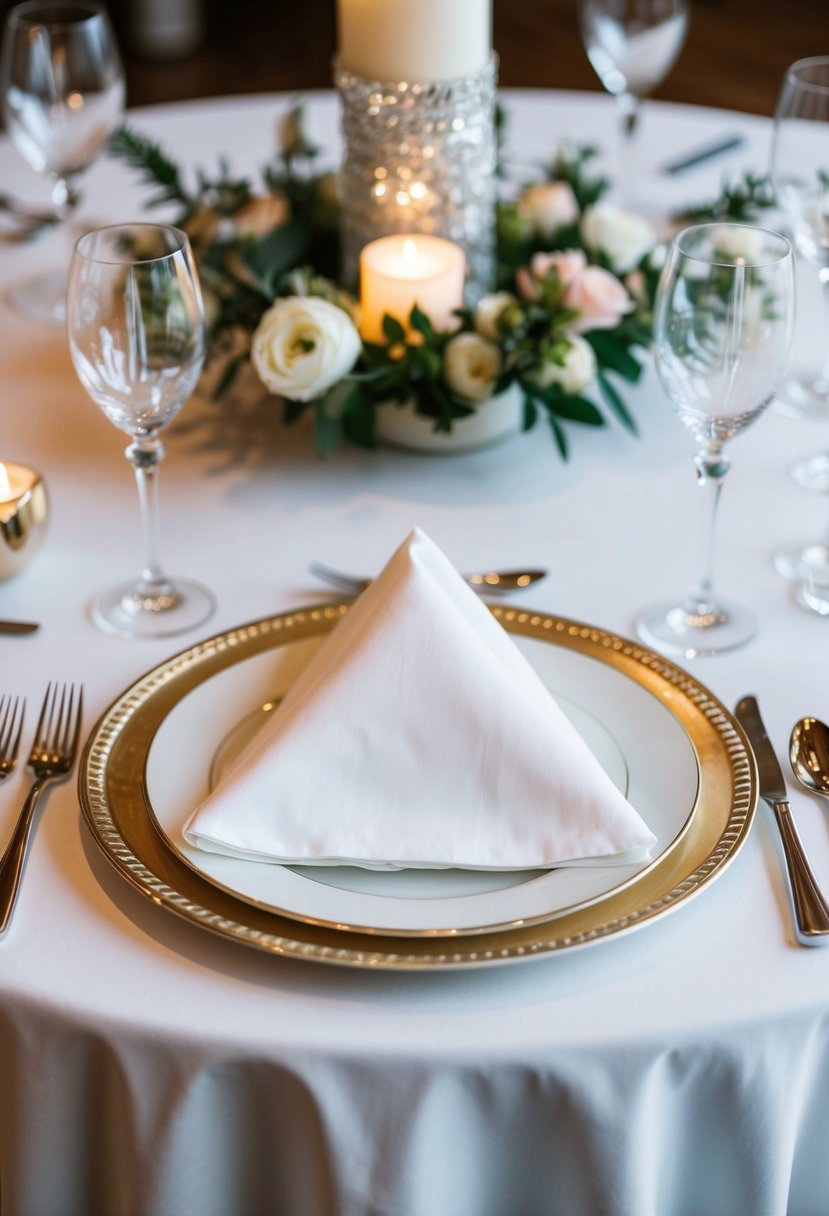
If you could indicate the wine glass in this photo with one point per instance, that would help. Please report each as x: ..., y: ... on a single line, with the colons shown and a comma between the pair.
x: 800, y: 171
x: 632, y: 45
x: 63, y: 94
x: 135, y: 319
x: 722, y: 331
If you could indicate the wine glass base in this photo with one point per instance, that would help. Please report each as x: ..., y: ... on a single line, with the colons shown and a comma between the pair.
x: 42, y: 299
x: 815, y: 599
x: 812, y: 473
x: 797, y: 563
x: 674, y: 630
x: 121, y: 611
x: 803, y: 398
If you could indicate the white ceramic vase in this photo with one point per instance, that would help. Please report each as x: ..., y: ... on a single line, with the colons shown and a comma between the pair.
x: 493, y: 421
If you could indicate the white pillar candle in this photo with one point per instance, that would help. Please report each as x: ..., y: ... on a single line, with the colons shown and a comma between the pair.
x: 397, y: 272
x: 412, y: 40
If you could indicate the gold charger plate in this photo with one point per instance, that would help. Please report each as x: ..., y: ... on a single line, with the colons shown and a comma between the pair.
x: 115, y: 804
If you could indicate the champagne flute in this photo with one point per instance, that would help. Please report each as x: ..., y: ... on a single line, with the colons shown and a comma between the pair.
x: 800, y: 171
x: 63, y: 94
x: 135, y: 319
x: 722, y: 332
x: 632, y: 45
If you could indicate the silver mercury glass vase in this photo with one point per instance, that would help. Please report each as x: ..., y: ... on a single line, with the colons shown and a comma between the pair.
x: 420, y: 157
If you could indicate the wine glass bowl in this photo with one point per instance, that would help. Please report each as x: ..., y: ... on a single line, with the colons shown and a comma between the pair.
x: 135, y: 320
x: 800, y: 174
x: 632, y: 45
x: 722, y: 332
x: 62, y: 86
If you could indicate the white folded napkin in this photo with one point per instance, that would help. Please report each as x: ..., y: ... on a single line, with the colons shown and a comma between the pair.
x: 419, y: 736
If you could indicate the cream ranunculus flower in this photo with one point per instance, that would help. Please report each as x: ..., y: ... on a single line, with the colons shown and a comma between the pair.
x: 623, y: 237
x: 576, y: 373
x: 303, y: 346
x: 471, y: 366
x: 549, y: 206
x: 488, y: 312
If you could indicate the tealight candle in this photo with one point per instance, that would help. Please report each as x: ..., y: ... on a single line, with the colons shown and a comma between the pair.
x: 414, y: 40
x: 23, y: 514
x: 397, y: 272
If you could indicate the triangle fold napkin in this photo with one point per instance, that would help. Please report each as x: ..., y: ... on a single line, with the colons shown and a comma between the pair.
x: 419, y: 736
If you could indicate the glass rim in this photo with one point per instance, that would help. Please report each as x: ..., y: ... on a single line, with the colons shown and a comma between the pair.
x: 747, y: 262
x: 794, y: 69
x: 23, y: 14
x: 183, y: 243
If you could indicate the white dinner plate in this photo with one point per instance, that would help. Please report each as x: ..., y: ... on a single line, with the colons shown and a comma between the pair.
x: 632, y: 733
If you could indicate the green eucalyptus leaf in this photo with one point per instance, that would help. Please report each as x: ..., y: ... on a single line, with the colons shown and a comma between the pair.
x: 616, y: 404
x: 578, y: 409
x: 393, y: 330
x: 359, y: 419
x: 327, y: 429
x: 559, y: 436
x: 612, y: 352
x: 421, y: 323
x: 530, y: 414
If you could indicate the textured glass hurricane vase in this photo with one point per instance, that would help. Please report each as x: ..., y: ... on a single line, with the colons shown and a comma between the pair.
x: 420, y: 157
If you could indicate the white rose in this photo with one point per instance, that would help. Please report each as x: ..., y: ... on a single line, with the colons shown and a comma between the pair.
x: 740, y: 241
x: 620, y: 235
x: 471, y: 365
x: 576, y: 372
x: 549, y: 206
x: 304, y: 345
x: 489, y: 309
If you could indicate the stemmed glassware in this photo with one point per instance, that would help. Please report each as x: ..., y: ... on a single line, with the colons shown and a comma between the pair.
x: 135, y: 319
x: 62, y: 86
x: 800, y: 171
x: 632, y: 45
x: 722, y: 332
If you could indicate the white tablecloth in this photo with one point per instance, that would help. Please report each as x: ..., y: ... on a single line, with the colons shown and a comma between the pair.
x: 148, y: 1067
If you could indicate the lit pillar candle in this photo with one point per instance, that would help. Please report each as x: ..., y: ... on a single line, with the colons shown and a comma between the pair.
x: 23, y: 514
x: 414, y: 40
x: 397, y: 272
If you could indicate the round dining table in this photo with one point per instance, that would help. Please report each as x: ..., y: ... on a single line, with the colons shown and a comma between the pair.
x: 151, y: 1066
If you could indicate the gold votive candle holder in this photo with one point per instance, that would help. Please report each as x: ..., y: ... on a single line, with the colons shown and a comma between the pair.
x: 23, y: 516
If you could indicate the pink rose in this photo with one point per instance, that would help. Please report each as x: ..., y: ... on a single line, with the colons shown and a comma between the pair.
x: 569, y: 263
x: 600, y: 298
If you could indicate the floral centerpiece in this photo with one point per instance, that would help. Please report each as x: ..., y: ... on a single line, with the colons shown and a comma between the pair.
x: 566, y: 320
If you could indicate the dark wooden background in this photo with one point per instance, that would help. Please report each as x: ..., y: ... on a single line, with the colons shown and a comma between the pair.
x: 735, y: 54
x: 734, y: 57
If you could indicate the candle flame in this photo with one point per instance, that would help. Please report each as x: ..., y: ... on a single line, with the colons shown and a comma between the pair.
x: 409, y: 252
x: 5, y: 484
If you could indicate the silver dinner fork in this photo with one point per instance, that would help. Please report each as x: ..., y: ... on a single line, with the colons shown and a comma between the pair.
x: 51, y: 758
x: 497, y: 582
x: 12, y: 710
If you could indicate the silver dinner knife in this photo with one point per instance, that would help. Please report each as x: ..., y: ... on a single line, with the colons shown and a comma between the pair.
x: 811, y: 911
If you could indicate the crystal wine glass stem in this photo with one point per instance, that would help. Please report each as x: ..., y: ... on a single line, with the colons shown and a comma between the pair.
x: 822, y: 382
x: 144, y: 456
x: 712, y: 466
x: 629, y: 107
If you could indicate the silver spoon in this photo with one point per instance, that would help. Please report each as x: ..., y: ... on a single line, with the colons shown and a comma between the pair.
x: 496, y: 582
x: 809, y: 755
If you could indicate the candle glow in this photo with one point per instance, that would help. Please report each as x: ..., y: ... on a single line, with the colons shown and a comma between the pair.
x: 397, y: 272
